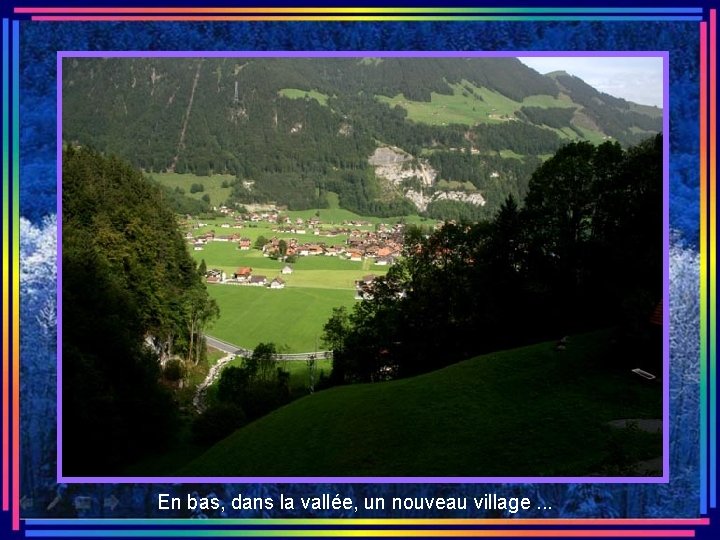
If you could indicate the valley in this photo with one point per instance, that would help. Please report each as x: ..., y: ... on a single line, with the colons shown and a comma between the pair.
x: 415, y: 267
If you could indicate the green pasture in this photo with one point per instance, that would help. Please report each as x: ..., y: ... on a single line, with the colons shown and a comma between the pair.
x: 292, y: 318
x: 336, y: 215
x: 212, y: 184
x: 255, y: 230
x: 314, y: 271
x: 468, y: 105
x: 548, y: 102
x: 295, y: 93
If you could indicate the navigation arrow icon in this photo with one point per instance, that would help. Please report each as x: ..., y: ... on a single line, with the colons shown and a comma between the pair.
x: 111, y: 502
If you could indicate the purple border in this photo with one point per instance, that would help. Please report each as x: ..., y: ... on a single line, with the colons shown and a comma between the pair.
x: 666, y: 266
x: 665, y: 478
x: 59, y: 301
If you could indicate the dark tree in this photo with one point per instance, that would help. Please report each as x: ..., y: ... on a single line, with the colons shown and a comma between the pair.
x: 126, y: 274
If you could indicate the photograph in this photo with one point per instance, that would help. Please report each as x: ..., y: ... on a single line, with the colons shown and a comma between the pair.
x: 362, y: 265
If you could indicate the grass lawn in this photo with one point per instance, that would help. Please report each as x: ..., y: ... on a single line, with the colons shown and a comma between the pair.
x: 532, y: 411
x: 212, y: 184
x: 292, y: 318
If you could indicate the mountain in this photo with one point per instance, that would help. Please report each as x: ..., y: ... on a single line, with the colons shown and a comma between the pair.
x: 463, y: 131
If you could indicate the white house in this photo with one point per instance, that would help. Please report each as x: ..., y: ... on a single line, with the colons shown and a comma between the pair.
x: 277, y: 283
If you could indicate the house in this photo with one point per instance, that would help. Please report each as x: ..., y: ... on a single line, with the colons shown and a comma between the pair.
x: 371, y: 251
x: 258, y: 281
x: 384, y: 261
x: 244, y: 243
x: 215, y: 276
x: 355, y: 256
x: 287, y: 269
x: 277, y: 283
x: 363, y: 287
x: 242, y: 273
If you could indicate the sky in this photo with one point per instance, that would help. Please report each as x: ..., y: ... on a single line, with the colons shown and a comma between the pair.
x: 637, y: 79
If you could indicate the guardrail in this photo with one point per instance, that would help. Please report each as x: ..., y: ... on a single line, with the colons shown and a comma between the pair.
x: 312, y: 355
x: 317, y: 355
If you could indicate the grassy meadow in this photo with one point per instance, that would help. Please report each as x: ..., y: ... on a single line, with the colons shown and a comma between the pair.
x: 295, y: 93
x: 519, y: 412
x: 212, y: 184
x: 292, y: 318
x: 468, y: 105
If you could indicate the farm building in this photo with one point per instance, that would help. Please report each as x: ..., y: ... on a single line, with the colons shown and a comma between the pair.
x: 257, y: 281
x: 243, y: 273
x: 277, y: 283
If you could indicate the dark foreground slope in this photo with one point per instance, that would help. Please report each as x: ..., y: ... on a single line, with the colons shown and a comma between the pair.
x: 533, y: 411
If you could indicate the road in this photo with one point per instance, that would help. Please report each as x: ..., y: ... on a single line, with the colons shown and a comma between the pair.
x: 235, y: 349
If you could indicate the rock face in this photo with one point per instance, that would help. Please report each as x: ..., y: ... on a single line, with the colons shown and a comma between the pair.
x: 473, y: 198
x: 387, y: 155
x: 394, y: 165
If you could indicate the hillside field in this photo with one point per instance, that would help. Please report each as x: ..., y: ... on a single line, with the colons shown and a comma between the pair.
x: 212, y: 184
x: 531, y: 411
x: 468, y: 105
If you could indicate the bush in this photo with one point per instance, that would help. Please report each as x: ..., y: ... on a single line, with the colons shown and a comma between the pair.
x: 217, y: 422
x: 197, y: 188
x: 173, y: 370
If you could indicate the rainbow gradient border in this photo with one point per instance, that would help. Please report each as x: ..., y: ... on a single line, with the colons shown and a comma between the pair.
x: 10, y: 216
x: 11, y: 269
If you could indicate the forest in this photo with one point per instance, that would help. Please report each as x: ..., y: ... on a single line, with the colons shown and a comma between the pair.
x: 582, y: 251
x: 290, y: 130
x: 132, y: 299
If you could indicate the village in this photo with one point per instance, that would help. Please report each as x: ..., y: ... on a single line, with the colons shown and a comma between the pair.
x: 352, y: 240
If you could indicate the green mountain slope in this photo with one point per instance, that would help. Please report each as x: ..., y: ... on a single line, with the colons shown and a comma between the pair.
x: 524, y: 412
x: 293, y: 129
